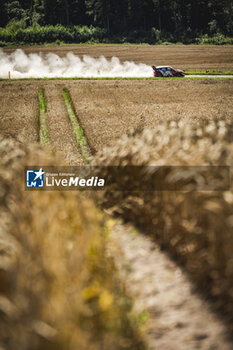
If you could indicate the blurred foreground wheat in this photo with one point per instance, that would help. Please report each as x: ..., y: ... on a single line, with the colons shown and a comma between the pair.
x: 195, y: 226
x: 58, y: 288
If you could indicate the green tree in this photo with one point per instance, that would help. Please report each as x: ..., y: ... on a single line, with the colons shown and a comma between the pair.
x: 4, y: 13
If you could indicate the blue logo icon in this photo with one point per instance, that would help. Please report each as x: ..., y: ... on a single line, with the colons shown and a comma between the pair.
x: 35, y: 178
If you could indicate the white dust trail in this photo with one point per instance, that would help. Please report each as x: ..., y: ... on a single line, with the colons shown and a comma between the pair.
x: 21, y: 65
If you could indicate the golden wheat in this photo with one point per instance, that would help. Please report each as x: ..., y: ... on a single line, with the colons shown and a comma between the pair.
x: 195, y: 226
x: 58, y: 288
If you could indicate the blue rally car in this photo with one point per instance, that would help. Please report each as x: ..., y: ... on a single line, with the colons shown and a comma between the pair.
x: 167, y: 71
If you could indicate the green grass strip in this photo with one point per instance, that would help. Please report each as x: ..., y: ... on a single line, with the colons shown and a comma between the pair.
x: 79, y: 135
x: 208, y: 72
x: 214, y: 77
x: 44, y: 135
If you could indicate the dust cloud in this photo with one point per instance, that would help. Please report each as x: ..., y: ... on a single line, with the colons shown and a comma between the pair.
x: 21, y: 65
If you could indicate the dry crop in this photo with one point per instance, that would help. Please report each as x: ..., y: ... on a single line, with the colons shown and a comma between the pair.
x: 58, y: 287
x: 109, y: 109
x: 194, y: 226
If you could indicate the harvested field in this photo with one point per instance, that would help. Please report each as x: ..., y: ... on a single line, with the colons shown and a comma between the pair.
x: 109, y: 109
x: 204, y: 57
x: 19, y: 111
x: 19, y: 117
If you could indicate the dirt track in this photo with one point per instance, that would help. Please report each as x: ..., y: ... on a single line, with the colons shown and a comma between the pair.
x: 204, y: 57
x: 179, y: 318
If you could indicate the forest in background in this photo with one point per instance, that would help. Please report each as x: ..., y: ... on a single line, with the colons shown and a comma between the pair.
x: 135, y: 21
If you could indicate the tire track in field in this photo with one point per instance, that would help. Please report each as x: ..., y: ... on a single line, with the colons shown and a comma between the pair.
x: 44, y: 136
x: 59, y: 127
x: 79, y: 134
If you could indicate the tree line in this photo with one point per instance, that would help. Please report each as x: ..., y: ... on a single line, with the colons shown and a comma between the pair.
x: 179, y: 18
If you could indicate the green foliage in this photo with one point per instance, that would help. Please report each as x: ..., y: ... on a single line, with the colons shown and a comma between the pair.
x: 16, y: 32
x: 218, y: 39
x: 14, y: 25
x: 50, y: 34
x: 122, y: 21
x: 15, y: 10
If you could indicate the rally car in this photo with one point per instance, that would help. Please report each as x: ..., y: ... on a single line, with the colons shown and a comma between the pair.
x: 167, y: 71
